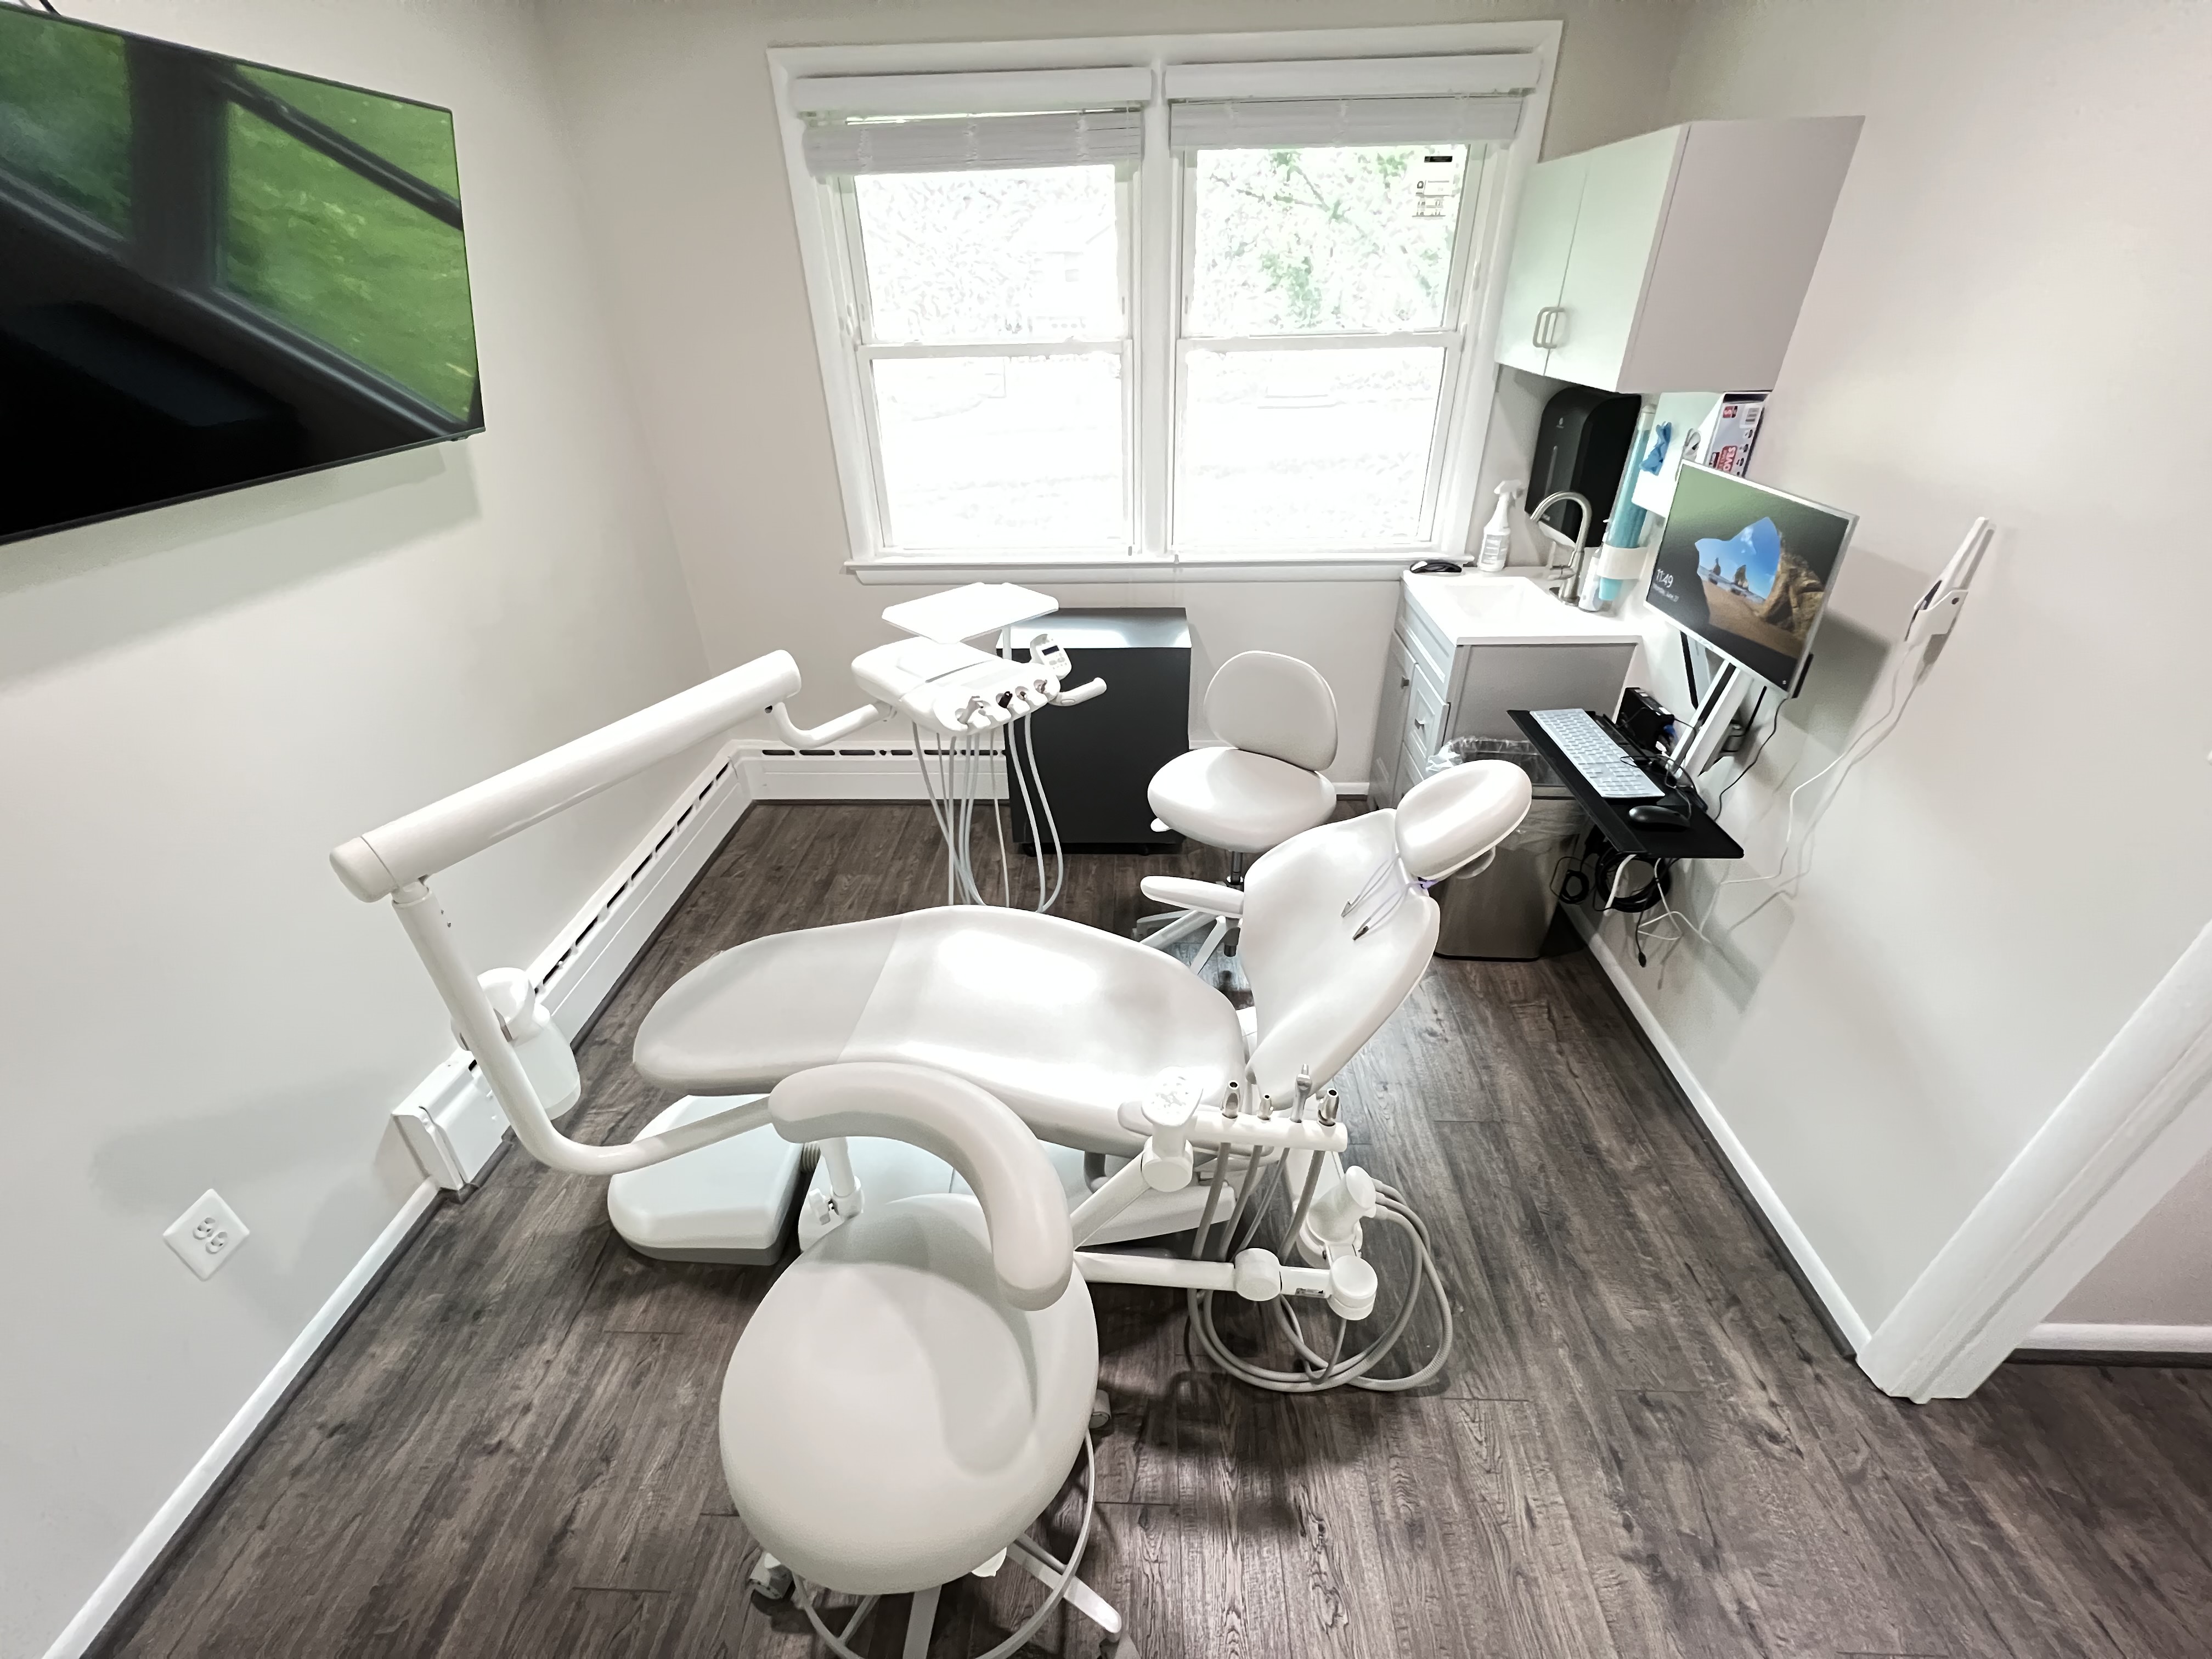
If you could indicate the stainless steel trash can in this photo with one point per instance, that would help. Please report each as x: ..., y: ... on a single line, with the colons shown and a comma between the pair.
x: 1504, y: 911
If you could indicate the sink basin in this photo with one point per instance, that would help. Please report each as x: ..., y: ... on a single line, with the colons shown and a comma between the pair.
x: 1473, y: 610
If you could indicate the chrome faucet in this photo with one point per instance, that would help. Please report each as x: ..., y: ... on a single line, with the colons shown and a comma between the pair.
x: 1562, y: 580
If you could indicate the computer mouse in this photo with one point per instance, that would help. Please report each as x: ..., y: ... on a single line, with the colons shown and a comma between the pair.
x: 1660, y: 814
x: 1436, y: 568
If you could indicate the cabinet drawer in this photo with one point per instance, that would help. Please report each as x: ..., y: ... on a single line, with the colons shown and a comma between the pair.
x: 1424, y: 644
x: 1411, y: 769
x: 1424, y: 713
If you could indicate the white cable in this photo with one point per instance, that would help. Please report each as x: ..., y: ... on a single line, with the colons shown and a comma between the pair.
x: 1855, y: 750
x: 1059, y: 853
x: 1323, y: 1373
x: 998, y: 827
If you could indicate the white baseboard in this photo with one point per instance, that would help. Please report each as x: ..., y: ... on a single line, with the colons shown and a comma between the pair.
x: 1754, y: 1181
x: 578, y: 972
x: 882, y: 769
x: 2120, y: 1339
x: 145, y: 1550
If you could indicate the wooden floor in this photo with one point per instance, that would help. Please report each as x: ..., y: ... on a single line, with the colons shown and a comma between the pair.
x: 1645, y: 1446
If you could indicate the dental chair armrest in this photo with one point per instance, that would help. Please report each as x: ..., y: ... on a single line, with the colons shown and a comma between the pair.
x: 1024, y: 1206
x: 1185, y: 894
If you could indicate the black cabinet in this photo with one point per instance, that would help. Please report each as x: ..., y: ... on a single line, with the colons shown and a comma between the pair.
x: 1097, y: 758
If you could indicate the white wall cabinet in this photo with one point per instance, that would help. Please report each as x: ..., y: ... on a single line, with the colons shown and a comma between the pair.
x: 1675, y: 261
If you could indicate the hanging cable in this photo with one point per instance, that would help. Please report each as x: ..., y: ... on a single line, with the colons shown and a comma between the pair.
x: 1059, y: 853
x: 1322, y: 1372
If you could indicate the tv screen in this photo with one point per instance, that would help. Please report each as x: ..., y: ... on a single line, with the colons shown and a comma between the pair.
x: 214, y: 273
x: 1747, y: 570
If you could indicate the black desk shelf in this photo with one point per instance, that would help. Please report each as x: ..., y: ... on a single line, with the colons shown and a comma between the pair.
x: 1700, y: 838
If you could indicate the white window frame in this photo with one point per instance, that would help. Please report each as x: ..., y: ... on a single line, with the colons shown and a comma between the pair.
x: 1155, y: 196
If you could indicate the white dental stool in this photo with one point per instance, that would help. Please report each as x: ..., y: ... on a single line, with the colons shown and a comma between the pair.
x: 912, y: 1392
x: 1278, y: 719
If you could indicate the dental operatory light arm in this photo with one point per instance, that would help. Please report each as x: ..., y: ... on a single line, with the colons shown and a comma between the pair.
x: 396, y: 860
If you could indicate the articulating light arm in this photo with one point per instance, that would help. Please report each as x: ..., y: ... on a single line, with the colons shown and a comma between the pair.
x: 417, y: 846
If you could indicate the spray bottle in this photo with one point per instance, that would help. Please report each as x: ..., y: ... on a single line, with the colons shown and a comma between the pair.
x: 1497, y: 534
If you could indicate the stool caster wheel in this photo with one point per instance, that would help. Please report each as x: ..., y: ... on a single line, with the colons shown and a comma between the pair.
x: 1102, y: 1413
x: 770, y: 1578
x: 1123, y: 1648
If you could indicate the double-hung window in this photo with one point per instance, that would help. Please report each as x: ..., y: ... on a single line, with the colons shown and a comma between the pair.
x: 1157, y: 309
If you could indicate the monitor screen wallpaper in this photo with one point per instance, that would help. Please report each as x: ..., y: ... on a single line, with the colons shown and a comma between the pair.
x: 1747, y: 570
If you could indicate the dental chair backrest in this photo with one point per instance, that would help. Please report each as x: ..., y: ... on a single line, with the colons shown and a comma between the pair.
x: 1266, y: 703
x: 1320, y: 987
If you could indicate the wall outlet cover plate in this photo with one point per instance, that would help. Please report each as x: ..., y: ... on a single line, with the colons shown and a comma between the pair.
x: 207, y: 1235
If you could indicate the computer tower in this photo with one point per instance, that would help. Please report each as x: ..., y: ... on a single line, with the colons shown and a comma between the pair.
x: 1582, y: 446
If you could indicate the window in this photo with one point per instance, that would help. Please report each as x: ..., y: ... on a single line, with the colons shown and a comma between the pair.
x: 1316, y: 341
x: 994, y: 340
x: 1158, y: 309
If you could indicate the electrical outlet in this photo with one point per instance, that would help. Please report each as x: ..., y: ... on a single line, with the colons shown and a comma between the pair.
x: 207, y: 1235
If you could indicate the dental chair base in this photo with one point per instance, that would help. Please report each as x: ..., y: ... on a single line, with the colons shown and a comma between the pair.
x: 730, y: 1202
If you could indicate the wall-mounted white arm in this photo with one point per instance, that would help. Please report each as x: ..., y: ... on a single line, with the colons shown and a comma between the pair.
x: 820, y: 737
x: 479, y: 1026
x: 426, y: 840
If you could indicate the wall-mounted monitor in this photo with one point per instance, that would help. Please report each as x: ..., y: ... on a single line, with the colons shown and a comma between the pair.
x: 214, y: 273
x: 1747, y: 570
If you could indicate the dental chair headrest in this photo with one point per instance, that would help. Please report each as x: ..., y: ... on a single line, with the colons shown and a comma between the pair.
x: 1455, y: 817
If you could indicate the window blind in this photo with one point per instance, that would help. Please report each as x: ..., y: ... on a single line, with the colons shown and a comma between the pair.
x: 952, y: 143
x: 1266, y: 122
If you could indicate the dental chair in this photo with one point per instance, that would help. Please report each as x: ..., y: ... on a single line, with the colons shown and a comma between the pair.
x: 1257, y: 788
x: 913, y: 1389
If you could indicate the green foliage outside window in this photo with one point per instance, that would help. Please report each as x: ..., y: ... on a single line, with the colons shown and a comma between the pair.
x: 1325, y: 239
x: 65, y: 115
x: 344, y: 259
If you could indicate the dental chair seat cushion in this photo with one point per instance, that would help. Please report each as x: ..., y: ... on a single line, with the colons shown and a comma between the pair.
x: 888, y: 1421
x: 1239, y: 802
x: 1063, y: 1023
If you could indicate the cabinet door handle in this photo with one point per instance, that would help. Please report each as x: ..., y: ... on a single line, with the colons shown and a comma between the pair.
x: 1403, y: 682
x: 1551, y: 327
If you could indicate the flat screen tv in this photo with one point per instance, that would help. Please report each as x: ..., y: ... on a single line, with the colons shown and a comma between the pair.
x: 214, y: 273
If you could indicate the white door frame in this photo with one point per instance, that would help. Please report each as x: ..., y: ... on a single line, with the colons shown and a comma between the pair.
x: 2138, y: 1120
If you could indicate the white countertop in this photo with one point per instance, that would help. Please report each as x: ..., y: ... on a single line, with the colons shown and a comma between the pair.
x: 1472, y: 609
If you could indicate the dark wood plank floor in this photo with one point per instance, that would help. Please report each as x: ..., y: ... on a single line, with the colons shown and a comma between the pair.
x: 1646, y: 1445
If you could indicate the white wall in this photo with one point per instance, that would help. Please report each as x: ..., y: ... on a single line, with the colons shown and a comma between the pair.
x: 2161, y: 1273
x: 675, y: 135
x: 195, y: 705
x: 2006, y: 320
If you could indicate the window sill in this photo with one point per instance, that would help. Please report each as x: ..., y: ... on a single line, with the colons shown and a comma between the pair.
x: 1357, y: 566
